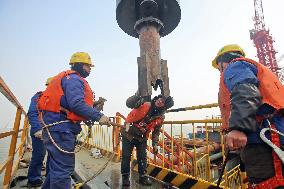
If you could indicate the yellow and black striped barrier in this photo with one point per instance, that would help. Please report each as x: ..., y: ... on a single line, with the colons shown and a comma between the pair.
x: 174, y: 178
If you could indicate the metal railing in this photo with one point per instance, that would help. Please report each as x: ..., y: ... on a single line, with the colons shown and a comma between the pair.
x: 173, y: 154
x: 107, y: 139
x: 10, y: 165
x: 178, y: 153
x: 195, y: 151
x: 187, y: 155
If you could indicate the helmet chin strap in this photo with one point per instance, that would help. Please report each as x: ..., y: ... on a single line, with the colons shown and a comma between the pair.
x: 222, y: 66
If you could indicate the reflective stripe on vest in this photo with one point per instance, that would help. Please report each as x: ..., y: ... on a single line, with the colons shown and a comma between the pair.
x: 50, y: 98
x: 271, y: 90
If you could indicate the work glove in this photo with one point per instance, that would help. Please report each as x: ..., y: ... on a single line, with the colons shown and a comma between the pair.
x: 169, y: 102
x: 134, y: 101
x: 38, y: 134
x: 99, y: 104
x: 104, y: 120
x: 155, y: 149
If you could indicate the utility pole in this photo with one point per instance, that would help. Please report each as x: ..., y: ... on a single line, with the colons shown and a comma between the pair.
x: 149, y: 20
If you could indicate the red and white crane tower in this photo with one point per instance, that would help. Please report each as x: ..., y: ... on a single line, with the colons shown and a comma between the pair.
x: 263, y: 41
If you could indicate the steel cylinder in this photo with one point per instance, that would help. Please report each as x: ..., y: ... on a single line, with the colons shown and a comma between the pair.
x: 165, y: 13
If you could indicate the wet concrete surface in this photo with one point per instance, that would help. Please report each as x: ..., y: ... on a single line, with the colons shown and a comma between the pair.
x: 87, y: 166
x: 19, y: 181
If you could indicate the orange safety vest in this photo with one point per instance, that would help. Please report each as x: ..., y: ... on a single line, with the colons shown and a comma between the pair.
x: 138, y: 113
x: 271, y: 90
x: 136, y: 116
x: 50, y: 98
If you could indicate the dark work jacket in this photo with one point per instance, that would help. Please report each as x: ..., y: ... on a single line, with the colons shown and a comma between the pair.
x: 33, y: 115
x: 242, y: 82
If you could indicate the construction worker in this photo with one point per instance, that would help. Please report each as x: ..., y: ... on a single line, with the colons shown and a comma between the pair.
x: 144, y: 118
x: 66, y: 102
x: 38, y: 153
x: 250, y: 99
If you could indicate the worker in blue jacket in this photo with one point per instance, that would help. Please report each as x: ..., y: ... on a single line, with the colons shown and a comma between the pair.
x: 66, y: 102
x: 251, y: 102
x: 38, y: 153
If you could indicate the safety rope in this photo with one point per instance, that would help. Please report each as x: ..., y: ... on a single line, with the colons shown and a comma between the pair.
x: 276, y: 149
x: 78, y: 185
x: 46, y: 126
x: 278, y: 158
x: 51, y: 138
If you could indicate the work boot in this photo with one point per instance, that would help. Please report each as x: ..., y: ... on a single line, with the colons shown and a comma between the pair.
x: 36, y: 183
x: 125, y: 180
x: 145, y: 181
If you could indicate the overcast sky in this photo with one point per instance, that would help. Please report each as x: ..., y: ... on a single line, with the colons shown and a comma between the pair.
x: 38, y: 37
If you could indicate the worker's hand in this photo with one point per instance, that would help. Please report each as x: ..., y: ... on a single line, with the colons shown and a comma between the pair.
x: 155, y: 149
x: 169, y: 102
x: 235, y: 140
x: 38, y: 134
x: 104, y: 120
x: 134, y: 101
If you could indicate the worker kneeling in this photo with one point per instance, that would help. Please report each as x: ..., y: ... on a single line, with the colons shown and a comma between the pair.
x: 67, y: 101
x: 144, y: 118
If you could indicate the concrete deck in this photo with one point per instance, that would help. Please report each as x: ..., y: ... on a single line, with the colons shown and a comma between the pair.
x: 86, y: 167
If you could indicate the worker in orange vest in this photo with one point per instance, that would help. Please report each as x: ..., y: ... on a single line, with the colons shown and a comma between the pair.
x: 67, y: 101
x: 145, y: 117
x: 38, y: 153
x: 251, y: 98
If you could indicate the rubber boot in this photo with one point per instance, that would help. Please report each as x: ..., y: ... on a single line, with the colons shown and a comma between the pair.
x: 125, y: 180
x: 145, y: 181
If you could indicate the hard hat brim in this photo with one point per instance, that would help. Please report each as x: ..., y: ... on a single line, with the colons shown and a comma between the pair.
x: 227, y: 49
x: 92, y: 65
x: 214, y: 63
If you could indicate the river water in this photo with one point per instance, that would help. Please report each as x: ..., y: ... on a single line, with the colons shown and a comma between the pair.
x: 4, y: 151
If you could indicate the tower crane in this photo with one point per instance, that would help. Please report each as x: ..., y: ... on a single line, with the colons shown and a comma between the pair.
x: 263, y: 41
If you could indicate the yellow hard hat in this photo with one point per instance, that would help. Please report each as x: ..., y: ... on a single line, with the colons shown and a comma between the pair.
x: 226, y: 49
x: 48, y: 80
x: 81, y: 57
